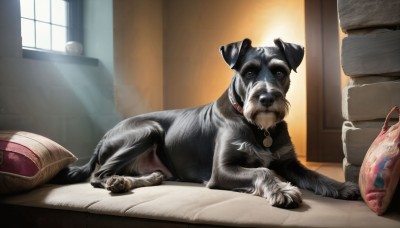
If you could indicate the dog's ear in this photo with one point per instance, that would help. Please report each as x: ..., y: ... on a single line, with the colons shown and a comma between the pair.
x: 294, y: 53
x: 234, y: 51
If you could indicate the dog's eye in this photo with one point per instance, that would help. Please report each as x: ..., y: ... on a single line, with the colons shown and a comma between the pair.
x: 250, y: 74
x: 250, y: 70
x: 279, y: 73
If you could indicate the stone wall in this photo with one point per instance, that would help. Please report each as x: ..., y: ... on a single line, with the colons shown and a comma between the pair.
x: 371, y: 58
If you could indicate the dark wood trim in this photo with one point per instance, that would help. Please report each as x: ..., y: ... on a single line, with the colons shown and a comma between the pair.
x: 323, y: 82
x: 313, y: 68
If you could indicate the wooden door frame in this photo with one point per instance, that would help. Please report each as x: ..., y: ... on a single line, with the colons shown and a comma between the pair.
x: 323, y: 139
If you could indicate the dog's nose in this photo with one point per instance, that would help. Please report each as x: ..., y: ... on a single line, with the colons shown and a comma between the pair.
x: 266, y: 99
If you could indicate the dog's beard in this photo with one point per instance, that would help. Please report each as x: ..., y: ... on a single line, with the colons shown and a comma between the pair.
x: 265, y: 120
x: 261, y: 116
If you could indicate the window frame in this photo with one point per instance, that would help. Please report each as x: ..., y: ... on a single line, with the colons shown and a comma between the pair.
x: 74, y: 33
x: 74, y: 26
x: 75, y: 20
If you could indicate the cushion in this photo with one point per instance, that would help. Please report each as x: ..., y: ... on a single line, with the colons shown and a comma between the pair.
x: 380, y: 170
x: 28, y: 160
x: 180, y: 205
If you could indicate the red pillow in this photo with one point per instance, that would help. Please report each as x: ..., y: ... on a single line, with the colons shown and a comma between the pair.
x: 380, y: 170
x: 28, y: 160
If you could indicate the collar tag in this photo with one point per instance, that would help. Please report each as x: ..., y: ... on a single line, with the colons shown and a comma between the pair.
x: 267, y: 142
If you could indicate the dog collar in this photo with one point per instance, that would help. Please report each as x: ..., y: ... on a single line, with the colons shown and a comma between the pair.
x: 232, y: 98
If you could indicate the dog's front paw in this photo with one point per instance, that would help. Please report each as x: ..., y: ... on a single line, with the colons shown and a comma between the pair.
x: 117, y: 184
x: 349, y: 191
x: 285, y: 195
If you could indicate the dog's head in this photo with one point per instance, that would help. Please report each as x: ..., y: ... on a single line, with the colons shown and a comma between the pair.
x: 261, y: 78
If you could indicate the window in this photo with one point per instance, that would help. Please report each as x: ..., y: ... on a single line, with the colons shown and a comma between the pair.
x: 49, y: 24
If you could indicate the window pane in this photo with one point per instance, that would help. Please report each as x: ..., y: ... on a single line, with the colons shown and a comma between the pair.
x: 59, y: 12
x: 44, y: 23
x: 42, y: 35
x: 27, y: 33
x: 42, y: 10
x: 27, y: 8
x: 59, y: 38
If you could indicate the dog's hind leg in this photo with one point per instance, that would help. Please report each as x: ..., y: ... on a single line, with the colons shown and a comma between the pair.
x: 117, y: 163
x: 122, y: 157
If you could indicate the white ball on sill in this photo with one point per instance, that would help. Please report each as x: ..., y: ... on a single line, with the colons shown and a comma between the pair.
x: 73, y: 48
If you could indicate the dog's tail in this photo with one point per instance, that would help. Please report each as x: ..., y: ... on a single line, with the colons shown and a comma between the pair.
x: 76, y: 174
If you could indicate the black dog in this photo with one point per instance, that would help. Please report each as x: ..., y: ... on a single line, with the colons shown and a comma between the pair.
x: 236, y: 143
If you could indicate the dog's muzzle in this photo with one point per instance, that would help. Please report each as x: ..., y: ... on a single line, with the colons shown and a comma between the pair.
x: 265, y: 105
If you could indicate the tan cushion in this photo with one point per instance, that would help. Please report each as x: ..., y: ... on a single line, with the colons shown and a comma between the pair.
x: 194, y: 203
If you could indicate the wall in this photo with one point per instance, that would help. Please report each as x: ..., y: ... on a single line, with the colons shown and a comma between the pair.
x: 138, y: 39
x: 71, y: 104
x: 195, y: 73
x: 164, y: 51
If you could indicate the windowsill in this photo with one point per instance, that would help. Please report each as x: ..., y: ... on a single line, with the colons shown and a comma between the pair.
x: 58, y: 57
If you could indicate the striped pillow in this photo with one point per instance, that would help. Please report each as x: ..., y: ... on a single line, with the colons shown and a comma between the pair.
x: 28, y: 160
